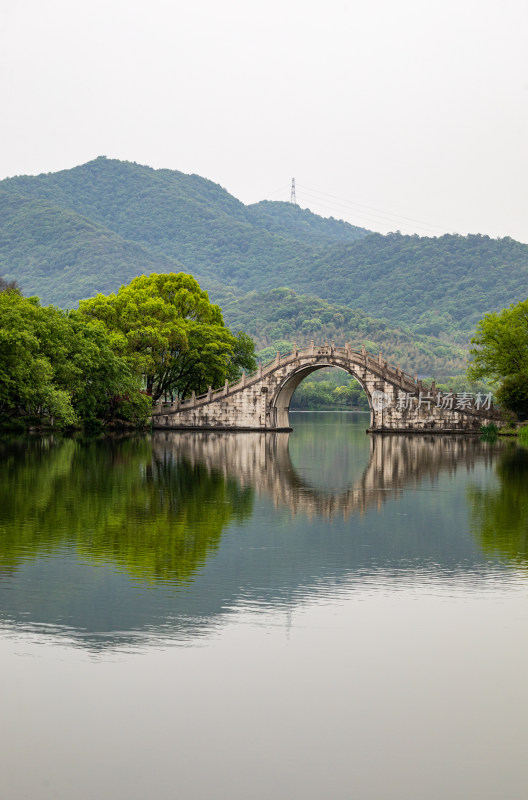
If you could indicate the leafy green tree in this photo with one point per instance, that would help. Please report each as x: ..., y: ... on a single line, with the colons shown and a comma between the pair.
x: 243, y: 356
x: 27, y: 386
x: 168, y: 331
x: 61, y: 366
x: 501, y: 354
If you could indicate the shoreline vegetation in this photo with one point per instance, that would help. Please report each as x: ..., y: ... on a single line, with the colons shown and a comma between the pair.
x: 106, y: 363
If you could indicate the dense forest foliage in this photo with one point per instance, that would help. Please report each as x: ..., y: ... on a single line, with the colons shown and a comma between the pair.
x: 67, y: 235
x: 440, y: 286
x: 109, y: 360
x: 291, y: 222
x: 182, y: 217
x: 60, y: 368
x: 61, y: 257
x: 277, y: 318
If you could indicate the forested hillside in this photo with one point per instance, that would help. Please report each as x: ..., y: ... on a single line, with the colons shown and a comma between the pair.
x: 68, y: 235
x: 437, y: 285
x: 280, y: 317
x: 293, y: 222
x: 63, y: 257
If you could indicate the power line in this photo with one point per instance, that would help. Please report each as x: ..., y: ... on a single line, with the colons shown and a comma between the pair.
x: 362, y: 217
x: 379, y: 217
x: 376, y: 211
x: 280, y: 193
x: 371, y: 211
x: 363, y: 214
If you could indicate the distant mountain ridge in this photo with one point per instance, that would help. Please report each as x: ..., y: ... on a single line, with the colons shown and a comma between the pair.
x: 172, y: 215
x: 71, y: 234
x: 183, y: 216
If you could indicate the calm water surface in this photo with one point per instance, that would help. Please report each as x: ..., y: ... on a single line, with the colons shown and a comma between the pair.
x: 322, y: 614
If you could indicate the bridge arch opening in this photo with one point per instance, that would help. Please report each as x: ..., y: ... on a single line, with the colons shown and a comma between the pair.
x: 281, y: 402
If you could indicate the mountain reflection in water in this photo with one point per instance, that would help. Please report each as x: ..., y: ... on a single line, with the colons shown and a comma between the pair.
x: 118, y: 541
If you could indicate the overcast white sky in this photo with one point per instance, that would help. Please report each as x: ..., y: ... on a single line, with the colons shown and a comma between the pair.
x: 409, y: 115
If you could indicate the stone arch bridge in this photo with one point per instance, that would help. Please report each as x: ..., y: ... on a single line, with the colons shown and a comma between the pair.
x: 398, y: 402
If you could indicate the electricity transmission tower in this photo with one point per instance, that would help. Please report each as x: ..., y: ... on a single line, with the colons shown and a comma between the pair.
x: 293, y: 199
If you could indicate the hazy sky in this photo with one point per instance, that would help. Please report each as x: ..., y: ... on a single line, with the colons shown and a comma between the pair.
x: 409, y: 115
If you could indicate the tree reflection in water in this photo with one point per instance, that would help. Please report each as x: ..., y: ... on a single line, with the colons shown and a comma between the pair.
x: 499, y: 514
x: 152, y: 513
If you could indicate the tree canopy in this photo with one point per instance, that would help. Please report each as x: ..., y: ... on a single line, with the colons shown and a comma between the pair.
x: 60, y: 365
x: 501, y: 354
x: 167, y: 331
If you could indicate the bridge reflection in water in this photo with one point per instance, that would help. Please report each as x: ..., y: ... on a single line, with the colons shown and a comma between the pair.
x: 262, y: 461
x: 210, y: 522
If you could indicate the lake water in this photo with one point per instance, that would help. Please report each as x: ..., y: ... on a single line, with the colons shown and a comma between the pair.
x: 321, y: 614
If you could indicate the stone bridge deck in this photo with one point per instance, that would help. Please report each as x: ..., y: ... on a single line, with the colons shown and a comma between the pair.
x: 398, y: 402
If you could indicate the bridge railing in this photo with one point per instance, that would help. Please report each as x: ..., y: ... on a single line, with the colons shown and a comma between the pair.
x: 368, y: 360
x: 375, y: 364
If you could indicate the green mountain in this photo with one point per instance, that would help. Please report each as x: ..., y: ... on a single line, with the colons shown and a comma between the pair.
x: 67, y: 235
x: 185, y: 217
